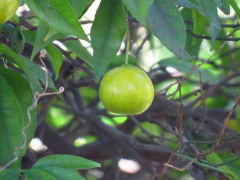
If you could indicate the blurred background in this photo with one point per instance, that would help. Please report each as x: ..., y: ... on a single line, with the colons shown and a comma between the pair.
x: 137, y: 147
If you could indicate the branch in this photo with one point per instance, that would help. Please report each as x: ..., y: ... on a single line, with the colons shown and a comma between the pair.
x: 209, y: 37
x: 222, y: 25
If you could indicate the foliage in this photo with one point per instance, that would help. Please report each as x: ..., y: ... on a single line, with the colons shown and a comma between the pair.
x: 190, y: 50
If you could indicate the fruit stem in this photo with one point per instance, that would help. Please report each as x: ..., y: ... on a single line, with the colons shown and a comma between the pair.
x: 128, y: 45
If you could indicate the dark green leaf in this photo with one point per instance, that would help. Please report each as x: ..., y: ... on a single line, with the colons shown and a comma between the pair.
x: 15, y: 98
x: 73, y: 45
x: 33, y: 71
x: 56, y: 58
x: 59, y: 15
x: 80, y: 6
x: 41, y: 33
x: 29, y: 36
x: 107, y: 34
x: 1, y: 27
x: 16, y: 38
x: 187, y: 3
x: 9, y: 174
x: 61, y: 174
x: 35, y: 174
x: 120, y: 60
x: 193, y: 44
x: 81, y: 51
x: 66, y: 161
x: 166, y: 23
x: 223, y: 5
x: 209, y: 10
x: 235, y: 7
x: 139, y: 9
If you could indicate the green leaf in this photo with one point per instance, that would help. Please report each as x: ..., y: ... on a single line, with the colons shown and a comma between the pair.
x: 193, y: 44
x: 73, y: 45
x: 56, y: 58
x: 15, y: 98
x: 107, y: 34
x: 186, y: 67
x: 214, y: 158
x: 51, y: 33
x: 187, y: 3
x: 40, y: 35
x: 1, y: 27
x: 233, y: 163
x: 66, y: 161
x: 209, y: 10
x: 29, y: 36
x: 61, y: 174
x: 80, y: 6
x: 235, y: 7
x: 81, y: 51
x: 166, y: 23
x: 35, y: 174
x: 200, y: 22
x: 34, y: 72
x: 139, y: 9
x: 59, y: 15
x: 120, y: 60
x: 57, y: 118
x: 9, y: 174
x: 223, y: 5
x: 15, y: 36
x: 205, y: 164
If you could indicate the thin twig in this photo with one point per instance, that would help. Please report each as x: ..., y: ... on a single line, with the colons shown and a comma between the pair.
x: 203, y: 107
x: 219, y: 139
x: 180, y: 117
x: 221, y: 134
x: 209, y: 37
x: 150, y: 135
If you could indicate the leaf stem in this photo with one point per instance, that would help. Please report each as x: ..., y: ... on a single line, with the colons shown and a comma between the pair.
x: 128, y: 45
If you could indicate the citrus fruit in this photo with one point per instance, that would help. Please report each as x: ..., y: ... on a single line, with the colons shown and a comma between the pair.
x: 126, y: 90
x: 7, y: 9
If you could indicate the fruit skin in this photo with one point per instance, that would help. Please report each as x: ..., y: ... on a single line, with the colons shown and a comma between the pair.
x: 126, y: 90
x: 7, y: 9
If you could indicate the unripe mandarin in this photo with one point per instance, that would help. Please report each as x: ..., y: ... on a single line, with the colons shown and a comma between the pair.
x: 126, y: 89
x: 7, y: 9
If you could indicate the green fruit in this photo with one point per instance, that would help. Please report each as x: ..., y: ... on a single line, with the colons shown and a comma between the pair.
x: 7, y: 9
x: 126, y: 90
